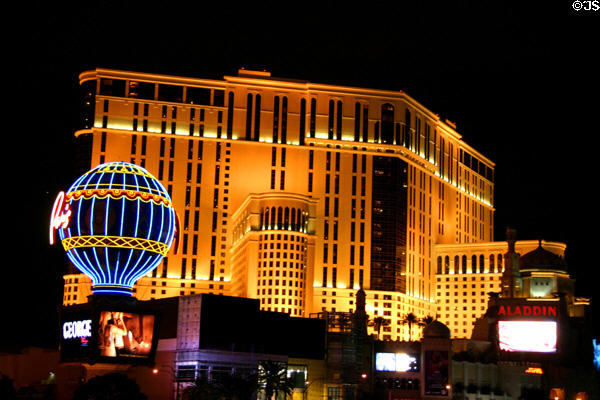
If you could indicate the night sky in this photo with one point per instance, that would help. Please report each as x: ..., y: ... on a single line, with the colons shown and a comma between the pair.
x: 520, y: 81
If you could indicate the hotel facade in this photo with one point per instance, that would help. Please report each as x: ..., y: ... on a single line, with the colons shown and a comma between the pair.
x: 298, y: 194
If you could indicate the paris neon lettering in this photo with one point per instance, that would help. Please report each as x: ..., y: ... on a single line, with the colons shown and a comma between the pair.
x: 61, y: 214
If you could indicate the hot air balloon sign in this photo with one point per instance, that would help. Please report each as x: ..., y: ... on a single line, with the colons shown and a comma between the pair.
x: 116, y: 223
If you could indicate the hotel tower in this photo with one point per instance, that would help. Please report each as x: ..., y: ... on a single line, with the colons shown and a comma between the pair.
x: 298, y: 194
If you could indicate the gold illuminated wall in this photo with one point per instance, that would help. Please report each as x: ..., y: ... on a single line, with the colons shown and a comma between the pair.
x: 230, y: 150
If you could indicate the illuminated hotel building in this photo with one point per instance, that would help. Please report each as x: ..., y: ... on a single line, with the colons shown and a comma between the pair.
x: 296, y: 193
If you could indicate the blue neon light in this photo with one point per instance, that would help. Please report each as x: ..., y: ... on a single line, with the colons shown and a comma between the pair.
x: 596, y: 345
x: 111, y: 215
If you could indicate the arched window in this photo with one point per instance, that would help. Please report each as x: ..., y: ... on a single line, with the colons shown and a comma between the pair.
x: 293, y: 219
x: 262, y: 218
x: 279, y: 218
x: 439, y: 264
x: 481, y: 264
x: 500, y: 265
x: 456, y: 264
x: 286, y: 221
x: 273, y: 223
x: 387, y: 123
x: 492, y: 263
x: 464, y: 264
x: 266, y: 221
x: 474, y: 264
x: 446, y: 265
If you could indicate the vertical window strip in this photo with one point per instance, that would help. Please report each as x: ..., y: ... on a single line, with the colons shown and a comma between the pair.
x: 276, y: 120
x: 257, y: 118
x: 331, y: 119
x: 230, y: 115
x: 313, y: 117
x: 284, y: 110
x: 302, y: 133
x: 249, y: 117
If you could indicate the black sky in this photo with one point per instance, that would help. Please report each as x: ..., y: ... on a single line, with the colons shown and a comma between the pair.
x: 520, y: 81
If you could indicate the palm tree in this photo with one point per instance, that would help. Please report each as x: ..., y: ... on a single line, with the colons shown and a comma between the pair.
x: 423, y: 322
x: 272, y: 379
x: 377, y: 323
x: 410, y: 319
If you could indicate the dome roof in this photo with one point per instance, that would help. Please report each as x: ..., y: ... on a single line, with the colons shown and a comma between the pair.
x: 436, y: 330
x: 541, y: 258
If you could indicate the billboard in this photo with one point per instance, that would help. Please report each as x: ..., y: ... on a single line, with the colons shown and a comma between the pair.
x: 436, y: 372
x: 125, y: 335
x: 107, y: 335
x: 528, y: 336
x: 396, y: 362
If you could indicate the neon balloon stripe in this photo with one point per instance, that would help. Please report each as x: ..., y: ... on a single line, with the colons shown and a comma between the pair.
x: 136, y: 225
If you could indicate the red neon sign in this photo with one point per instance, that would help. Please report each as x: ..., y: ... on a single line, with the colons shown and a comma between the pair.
x: 537, y: 311
x: 59, y: 219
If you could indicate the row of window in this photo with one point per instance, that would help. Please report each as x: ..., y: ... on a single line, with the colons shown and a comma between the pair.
x: 283, y: 218
x: 477, y: 264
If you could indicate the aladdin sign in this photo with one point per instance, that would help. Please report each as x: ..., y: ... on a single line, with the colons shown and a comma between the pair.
x: 527, y: 311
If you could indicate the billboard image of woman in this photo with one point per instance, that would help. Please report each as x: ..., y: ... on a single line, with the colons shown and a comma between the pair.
x: 124, y: 334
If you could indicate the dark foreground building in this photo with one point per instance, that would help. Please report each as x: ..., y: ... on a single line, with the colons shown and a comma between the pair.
x: 188, y: 338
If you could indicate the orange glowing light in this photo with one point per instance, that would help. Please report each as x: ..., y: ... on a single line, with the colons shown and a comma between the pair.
x: 534, y: 370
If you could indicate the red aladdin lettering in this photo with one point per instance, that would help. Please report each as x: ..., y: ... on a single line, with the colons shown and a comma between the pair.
x: 59, y: 219
x: 536, y: 311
